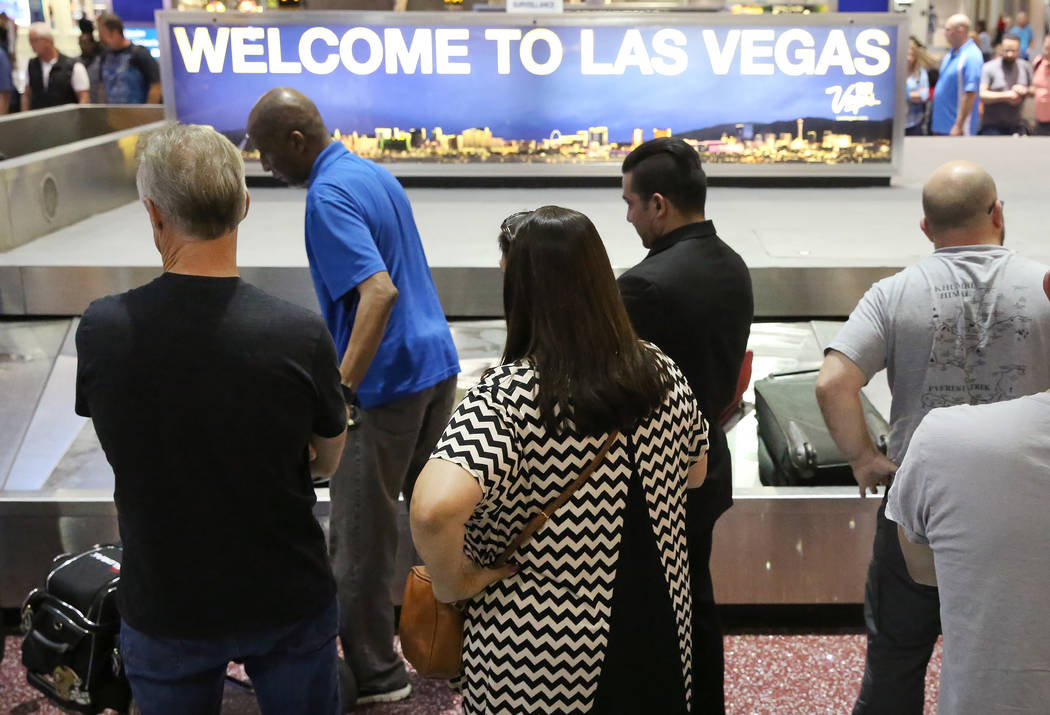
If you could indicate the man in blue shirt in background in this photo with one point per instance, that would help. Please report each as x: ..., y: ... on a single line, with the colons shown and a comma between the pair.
x: 1024, y: 34
x: 398, y: 359
x: 955, y: 96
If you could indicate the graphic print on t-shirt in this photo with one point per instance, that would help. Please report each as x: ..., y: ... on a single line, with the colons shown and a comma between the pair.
x: 964, y: 335
x: 125, y: 83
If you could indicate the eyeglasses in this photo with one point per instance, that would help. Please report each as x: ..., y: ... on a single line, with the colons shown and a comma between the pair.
x: 1002, y: 204
x: 512, y: 220
x: 509, y: 227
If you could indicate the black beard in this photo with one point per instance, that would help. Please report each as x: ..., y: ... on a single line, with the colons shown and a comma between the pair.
x: 1008, y: 62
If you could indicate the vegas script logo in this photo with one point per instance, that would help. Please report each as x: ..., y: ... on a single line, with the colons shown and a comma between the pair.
x: 854, y: 98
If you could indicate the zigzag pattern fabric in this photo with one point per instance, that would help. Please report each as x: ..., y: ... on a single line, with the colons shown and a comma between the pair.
x: 535, y: 642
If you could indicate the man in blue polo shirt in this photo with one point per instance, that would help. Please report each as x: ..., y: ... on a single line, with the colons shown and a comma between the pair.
x: 1024, y: 34
x: 398, y: 360
x: 955, y: 96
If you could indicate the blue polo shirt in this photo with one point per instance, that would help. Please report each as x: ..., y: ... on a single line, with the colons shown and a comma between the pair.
x: 359, y: 223
x: 960, y: 73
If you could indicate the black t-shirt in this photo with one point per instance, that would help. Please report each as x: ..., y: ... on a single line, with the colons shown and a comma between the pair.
x: 205, y: 393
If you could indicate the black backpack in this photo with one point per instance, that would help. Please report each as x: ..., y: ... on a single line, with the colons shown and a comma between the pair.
x: 70, y: 650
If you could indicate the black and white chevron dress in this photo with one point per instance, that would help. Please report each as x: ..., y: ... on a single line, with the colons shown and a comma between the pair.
x: 536, y: 642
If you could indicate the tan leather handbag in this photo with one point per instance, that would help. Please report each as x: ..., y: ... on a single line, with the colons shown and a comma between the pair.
x: 431, y: 631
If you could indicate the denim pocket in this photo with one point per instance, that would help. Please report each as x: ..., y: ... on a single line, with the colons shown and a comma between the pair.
x: 147, y: 656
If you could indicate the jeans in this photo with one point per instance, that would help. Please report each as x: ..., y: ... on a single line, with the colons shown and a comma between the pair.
x: 1042, y: 129
x: 994, y: 131
x: 915, y: 131
x: 293, y: 669
x: 381, y: 458
x: 903, y: 620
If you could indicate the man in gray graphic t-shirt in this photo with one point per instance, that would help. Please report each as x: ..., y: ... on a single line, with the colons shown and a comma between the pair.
x: 966, y: 325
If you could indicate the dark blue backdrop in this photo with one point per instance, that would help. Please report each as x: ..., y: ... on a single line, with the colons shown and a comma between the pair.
x: 520, y: 105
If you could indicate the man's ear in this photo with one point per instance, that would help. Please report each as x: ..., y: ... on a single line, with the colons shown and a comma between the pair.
x: 925, y: 228
x: 661, y: 203
x: 247, y: 203
x: 298, y: 140
x: 155, y: 217
x: 997, y: 214
x: 1046, y: 284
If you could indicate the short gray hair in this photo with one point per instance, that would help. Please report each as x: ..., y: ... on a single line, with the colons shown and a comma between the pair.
x: 195, y: 177
x: 42, y: 29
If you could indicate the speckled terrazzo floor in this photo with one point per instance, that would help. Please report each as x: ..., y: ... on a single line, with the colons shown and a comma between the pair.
x: 765, y: 675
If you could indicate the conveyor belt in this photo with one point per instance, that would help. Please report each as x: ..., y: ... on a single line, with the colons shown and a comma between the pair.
x: 56, y: 486
x: 812, y: 251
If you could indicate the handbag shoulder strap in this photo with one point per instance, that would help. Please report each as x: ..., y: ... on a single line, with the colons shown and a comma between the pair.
x: 548, y: 511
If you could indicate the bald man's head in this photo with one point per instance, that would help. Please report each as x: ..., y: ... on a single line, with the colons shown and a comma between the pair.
x: 286, y: 128
x: 959, y: 205
x: 957, y: 30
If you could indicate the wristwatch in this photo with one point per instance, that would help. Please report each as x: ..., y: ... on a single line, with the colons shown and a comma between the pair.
x: 353, y: 414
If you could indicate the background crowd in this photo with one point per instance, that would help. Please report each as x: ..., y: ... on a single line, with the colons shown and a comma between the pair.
x: 110, y: 69
x: 983, y: 84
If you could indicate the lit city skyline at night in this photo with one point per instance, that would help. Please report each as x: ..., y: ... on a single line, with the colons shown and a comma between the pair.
x: 739, y: 143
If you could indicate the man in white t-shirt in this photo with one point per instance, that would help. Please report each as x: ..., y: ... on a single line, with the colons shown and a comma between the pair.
x: 971, y: 500
x: 966, y: 325
x: 53, y: 78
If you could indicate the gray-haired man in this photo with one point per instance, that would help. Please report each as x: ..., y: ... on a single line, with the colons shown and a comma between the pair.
x: 53, y: 78
x: 214, y: 402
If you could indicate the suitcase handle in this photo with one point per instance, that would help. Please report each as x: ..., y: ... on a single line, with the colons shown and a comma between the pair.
x: 802, y: 452
x: 53, y: 645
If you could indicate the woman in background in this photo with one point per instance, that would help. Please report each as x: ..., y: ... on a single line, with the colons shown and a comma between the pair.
x: 918, y: 88
x: 594, y: 614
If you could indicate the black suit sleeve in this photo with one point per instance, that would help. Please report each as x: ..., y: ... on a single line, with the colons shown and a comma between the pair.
x: 645, y: 308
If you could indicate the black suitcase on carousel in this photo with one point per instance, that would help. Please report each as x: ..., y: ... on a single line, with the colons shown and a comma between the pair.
x: 795, y: 448
x: 70, y: 650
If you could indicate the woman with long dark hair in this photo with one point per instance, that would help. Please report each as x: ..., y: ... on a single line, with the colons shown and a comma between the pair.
x: 593, y: 614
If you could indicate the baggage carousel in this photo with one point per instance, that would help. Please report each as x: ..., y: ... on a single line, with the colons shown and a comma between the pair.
x: 812, y: 252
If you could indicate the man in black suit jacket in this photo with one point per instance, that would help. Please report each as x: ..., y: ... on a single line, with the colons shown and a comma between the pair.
x: 691, y: 297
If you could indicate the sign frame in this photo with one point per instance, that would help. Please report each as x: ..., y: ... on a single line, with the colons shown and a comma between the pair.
x: 597, y: 170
